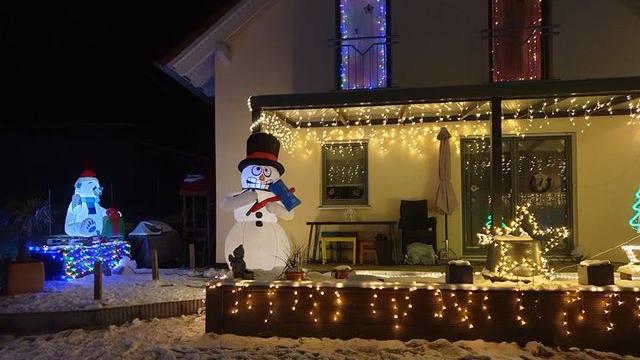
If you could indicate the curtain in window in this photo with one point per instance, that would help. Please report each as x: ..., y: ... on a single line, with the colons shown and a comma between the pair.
x: 516, y: 48
x: 363, y: 49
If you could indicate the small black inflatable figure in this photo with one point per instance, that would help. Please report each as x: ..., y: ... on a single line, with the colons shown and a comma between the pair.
x: 238, y: 266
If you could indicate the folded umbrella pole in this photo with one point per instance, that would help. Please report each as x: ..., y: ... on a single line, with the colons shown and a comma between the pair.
x: 445, y: 196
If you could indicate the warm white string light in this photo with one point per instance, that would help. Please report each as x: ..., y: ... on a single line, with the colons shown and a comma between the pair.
x: 401, y: 304
x: 296, y: 129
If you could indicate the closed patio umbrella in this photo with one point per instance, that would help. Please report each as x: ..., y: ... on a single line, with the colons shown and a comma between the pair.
x: 445, y: 197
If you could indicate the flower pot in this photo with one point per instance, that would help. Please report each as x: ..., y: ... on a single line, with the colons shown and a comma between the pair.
x: 294, y: 275
x: 24, y: 277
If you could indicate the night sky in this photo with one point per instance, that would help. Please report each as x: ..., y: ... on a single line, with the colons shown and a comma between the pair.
x: 80, y: 90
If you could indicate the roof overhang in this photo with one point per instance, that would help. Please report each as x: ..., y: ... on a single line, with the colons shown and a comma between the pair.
x: 517, y: 100
x: 194, y: 66
x: 470, y: 93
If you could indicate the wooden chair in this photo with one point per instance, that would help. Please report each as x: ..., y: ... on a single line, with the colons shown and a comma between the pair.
x: 367, y: 247
x: 338, y: 237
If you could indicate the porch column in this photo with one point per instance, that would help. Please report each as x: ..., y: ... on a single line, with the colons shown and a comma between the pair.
x: 497, y: 210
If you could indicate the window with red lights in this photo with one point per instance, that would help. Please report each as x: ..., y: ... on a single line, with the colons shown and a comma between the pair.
x: 517, y: 42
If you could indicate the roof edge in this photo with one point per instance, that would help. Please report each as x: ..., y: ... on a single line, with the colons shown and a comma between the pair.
x: 394, y: 96
x: 221, y: 30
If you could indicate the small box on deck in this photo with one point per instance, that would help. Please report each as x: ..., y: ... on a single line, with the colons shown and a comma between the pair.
x: 459, y: 272
x: 595, y: 272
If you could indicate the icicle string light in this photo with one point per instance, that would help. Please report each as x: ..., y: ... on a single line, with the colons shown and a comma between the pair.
x: 520, y: 318
x: 466, y: 307
x: 412, y: 126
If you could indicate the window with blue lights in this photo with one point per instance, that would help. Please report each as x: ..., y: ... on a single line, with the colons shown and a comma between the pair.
x: 363, y: 46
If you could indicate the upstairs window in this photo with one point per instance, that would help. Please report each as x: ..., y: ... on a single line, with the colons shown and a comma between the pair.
x: 516, y: 38
x: 362, y: 45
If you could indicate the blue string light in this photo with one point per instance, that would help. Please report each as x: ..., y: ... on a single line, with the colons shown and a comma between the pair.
x: 347, y: 31
x: 77, y: 260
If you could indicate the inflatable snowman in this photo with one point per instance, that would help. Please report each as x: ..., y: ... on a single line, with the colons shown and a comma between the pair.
x: 256, y: 209
x: 85, y: 215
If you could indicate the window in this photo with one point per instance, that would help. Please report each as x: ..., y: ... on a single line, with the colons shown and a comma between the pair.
x: 362, y: 45
x: 517, y: 40
x: 535, y: 170
x: 344, y: 174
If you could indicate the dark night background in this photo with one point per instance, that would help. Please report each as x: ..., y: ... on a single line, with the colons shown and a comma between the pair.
x: 80, y: 89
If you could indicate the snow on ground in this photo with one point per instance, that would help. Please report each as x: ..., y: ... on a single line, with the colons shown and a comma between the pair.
x: 117, y: 290
x: 184, y: 338
x: 132, y: 288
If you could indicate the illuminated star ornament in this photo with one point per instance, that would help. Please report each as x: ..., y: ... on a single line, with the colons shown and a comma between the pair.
x: 554, y: 236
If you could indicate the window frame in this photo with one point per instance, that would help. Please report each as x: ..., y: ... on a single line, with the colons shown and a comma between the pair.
x: 338, y: 54
x: 326, y: 203
x: 545, y: 42
x: 513, y: 146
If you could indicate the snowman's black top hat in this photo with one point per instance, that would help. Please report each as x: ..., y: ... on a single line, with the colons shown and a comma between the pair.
x: 262, y: 149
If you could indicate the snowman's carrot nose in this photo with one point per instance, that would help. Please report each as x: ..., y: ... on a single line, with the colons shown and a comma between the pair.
x: 262, y: 177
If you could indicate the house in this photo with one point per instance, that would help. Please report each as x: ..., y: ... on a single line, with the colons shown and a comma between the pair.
x: 385, y: 76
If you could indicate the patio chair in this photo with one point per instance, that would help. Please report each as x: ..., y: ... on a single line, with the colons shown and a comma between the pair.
x: 416, y: 225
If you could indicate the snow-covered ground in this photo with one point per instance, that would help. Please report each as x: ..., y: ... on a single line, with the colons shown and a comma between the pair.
x: 118, y: 290
x: 135, y: 287
x: 184, y: 338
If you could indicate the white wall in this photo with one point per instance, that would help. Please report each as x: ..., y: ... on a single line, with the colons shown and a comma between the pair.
x: 439, y: 42
x: 598, y: 38
x: 262, y: 59
x: 605, y: 172
x: 285, y: 50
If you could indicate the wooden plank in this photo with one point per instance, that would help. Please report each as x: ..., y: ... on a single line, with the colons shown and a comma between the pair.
x: 43, y: 322
x: 265, y: 311
x: 214, y: 307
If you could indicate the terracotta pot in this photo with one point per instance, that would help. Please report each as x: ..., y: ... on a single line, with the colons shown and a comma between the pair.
x: 294, y: 275
x: 24, y: 277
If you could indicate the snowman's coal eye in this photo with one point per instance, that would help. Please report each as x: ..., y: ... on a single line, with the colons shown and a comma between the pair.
x: 267, y: 172
x: 256, y: 170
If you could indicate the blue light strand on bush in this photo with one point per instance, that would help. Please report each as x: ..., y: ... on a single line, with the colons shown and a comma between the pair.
x: 78, y: 260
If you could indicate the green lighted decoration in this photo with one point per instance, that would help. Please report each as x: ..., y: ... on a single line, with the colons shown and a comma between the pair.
x: 635, y: 219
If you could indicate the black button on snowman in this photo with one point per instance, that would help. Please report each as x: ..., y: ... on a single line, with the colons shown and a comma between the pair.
x: 264, y: 199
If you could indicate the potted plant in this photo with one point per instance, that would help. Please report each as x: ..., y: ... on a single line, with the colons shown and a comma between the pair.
x: 293, y: 264
x: 24, y: 218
